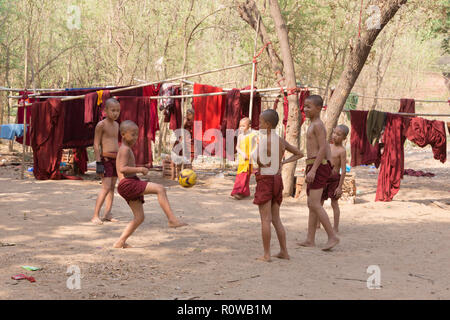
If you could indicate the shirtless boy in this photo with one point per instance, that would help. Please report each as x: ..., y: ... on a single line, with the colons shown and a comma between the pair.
x: 132, y: 189
x: 269, y: 184
x: 318, y: 171
x: 106, y: 144
x: 333, y: 189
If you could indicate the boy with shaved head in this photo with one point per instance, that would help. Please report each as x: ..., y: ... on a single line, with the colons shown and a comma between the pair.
x: 269, y: 184
x: 133, y: 189
x: 245, y: 144
x: 333, y: 188
x: 106, y: 144
x: 318, y: 171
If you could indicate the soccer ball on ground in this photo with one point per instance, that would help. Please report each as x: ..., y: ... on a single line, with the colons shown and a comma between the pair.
x: 187, y: 178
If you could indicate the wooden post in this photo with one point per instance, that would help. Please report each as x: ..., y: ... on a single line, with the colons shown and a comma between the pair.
x: 24, y: 140
x: 250, y: 109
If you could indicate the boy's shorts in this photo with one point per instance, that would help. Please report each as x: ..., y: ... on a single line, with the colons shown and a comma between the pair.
x: 268, y: 188
x: 109, y: 164
x: 323, y: 173
x: 132, y: 188
x: 330, y: 188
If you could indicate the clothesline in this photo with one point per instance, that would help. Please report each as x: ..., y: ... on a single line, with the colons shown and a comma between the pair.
x: 162, y: 81
x: 67, y: 98
x: 413, y: 114
x: 398, y: 99
x: 34, y: 90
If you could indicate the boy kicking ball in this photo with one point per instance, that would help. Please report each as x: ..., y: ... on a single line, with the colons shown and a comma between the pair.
x: 132, y: 189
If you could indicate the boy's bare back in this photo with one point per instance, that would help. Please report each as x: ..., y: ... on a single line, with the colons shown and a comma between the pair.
x: 108, y: 133
x: 315, y: 136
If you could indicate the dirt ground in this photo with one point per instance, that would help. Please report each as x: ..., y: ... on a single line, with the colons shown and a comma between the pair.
x: 214, y: 257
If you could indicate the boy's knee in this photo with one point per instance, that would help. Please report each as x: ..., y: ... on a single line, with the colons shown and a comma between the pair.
x: 140, y: 219
x: 161, y: 189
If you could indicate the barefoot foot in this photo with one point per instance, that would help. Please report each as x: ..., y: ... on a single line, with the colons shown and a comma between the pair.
x: 109, y: 218
x: 264, y: 259
x: 176, y: 224
x: 282, y: 255
x: 330, y: 244
x: 96, y: 221
x: 306, y: 244
x: 121, y: 245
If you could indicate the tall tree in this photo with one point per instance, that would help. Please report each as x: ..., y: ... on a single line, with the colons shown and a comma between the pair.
x: 357, y: 58
x: 293, y: 124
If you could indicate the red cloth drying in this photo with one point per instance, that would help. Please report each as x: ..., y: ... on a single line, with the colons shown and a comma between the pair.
x: 392, y: 159
x: 423, y: 132
x: 362, y: 151
x: 47, y: 131
x: 301, y: 103
x: 237, y: 107
x: 209, y: 111
x: 244, y: 100
x: 150, y: 91
x: 90, y: 109
x: 174, y: 116
x: 275, y: 104
x: 406, y: 106
x: 285, y: 111
x: 80, y: 158
x: 20, y: 117
x: 137, y: 109
x: 419, y: 173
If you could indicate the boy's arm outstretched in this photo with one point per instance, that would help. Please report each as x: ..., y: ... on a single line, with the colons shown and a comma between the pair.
x: 296, y: 153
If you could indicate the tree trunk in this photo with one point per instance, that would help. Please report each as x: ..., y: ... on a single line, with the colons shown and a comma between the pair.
x: 249, y: 12
x: 293, y: 125
x: 356, y: 60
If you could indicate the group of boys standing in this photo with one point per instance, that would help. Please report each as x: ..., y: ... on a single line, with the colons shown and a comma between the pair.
x: 325, y: 173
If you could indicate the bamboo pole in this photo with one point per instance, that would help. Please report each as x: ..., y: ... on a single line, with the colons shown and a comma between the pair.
x: 413, y: 114
x: 185, y: 96
x: 250, y: 108
x: 167, y: 80
x: 22, y: 169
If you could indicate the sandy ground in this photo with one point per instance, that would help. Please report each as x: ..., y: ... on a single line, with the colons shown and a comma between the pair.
x: 214, y: 257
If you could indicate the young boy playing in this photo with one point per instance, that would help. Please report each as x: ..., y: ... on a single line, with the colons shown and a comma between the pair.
x: 269, y: 184
x: 246, y: 140
x: 106, y: 144
x: 318, y: 171
x: 132, y: 189
x: 333, y: 189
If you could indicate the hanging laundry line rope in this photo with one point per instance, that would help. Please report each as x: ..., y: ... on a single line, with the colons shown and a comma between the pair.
x: 398, y: 99
x: 413, y: 114
x: 167, y: 80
